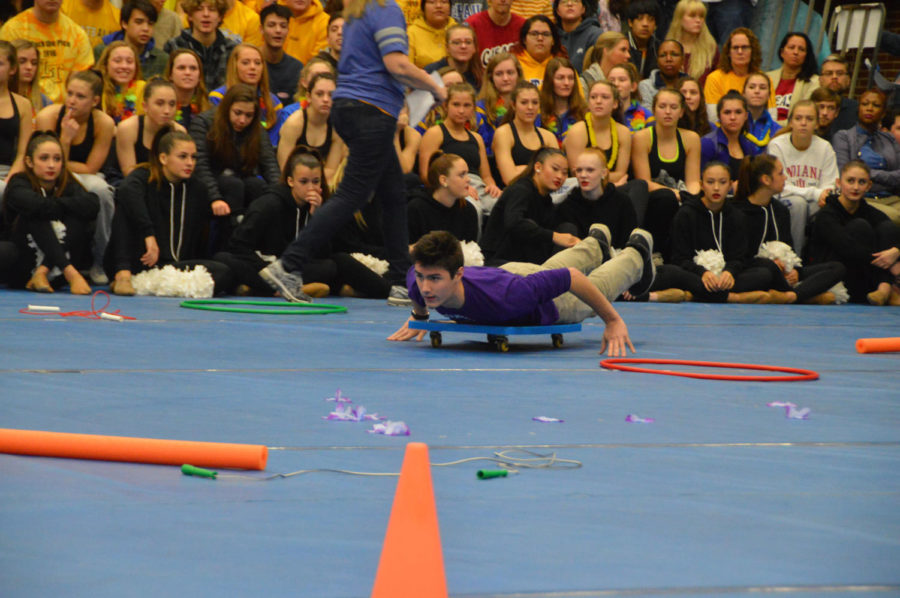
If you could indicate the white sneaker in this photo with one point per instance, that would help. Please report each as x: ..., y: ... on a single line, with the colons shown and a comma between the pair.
x: 97, y: 275
x: 399, y: 296
x: 290, y: 285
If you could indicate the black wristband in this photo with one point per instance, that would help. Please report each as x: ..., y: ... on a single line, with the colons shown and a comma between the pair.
x: 418, y: 317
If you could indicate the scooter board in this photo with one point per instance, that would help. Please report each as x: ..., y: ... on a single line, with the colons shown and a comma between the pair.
x: 496, y: 335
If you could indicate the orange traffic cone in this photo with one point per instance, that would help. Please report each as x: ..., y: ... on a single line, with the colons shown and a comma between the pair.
x: 412, y: 565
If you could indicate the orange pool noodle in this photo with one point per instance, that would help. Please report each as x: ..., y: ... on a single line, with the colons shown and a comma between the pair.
x: 878, y: 345
x: 133, y: 450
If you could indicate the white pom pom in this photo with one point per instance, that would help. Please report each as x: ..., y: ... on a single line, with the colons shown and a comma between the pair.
x: 841, y: 294
x: 472, y: 255
x: 374, y: 264
x: 776, y: 250
x: 710, y: 259
x: 170, y: 282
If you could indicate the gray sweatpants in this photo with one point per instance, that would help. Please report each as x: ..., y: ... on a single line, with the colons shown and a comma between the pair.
x: 611, y: 278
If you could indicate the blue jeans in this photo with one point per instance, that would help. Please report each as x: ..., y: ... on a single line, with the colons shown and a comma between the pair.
x: 372, y: 169
x: 726, y: 16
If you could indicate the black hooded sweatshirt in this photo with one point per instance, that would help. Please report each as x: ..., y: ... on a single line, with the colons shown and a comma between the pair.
x: 765, y: 223
x: 830, y: 241
x: 695, y: 228
x: 272, y: 221
x: 426, y: 214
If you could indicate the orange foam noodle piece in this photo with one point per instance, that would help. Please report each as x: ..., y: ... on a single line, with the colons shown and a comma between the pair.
x: 412, y: 564
x: 878, y: 345
x: 132, y: 450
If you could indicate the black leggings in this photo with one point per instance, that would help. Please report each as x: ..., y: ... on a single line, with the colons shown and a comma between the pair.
x: 74, y: 249
x: 238, y: 192
x: 126, y: 248
x: 814, y: 280
x: 753, y: 278
x: 9, y: 255
x: 661, y: 207
x: 336, y: 271
x: 862, y: 277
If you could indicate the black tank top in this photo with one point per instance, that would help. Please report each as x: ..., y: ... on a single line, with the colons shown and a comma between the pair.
x: 521, y: 155
x: 9, y: 134
x: 322, y: 149
x: 141, y: 152
x: 80, y: 152
x: 675, y: 168
x: 186, y: 115
x: 612, y: 151
x: 467, y: 150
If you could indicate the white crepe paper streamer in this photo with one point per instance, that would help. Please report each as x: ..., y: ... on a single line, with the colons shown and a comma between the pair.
x: 797, y: 412
x: 636, y: 419
x: 371, y: 262
x: 472, y: 255
x: 791, y: 411
x: 710, y: 259
x: 168, y: 281
x: 390, y: 428
x: 347, y: 413
x: 777, y: 250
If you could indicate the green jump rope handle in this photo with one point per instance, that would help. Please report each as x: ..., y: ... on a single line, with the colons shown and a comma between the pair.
x: 198, y: 471
x: 486, y: 474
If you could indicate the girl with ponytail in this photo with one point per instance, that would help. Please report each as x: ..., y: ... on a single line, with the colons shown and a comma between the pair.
x: 275, y: 219
x: 768, y: 229
x: 444, y: 205
x: 161, y: 213
x: 522, y: 226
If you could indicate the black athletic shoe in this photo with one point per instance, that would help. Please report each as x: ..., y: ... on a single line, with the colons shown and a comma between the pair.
x: 601, y: 232
x: 290, y: 285
x: 642, y: 241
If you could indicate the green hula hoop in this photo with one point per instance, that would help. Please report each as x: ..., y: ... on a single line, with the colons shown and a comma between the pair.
x: 274, y: 307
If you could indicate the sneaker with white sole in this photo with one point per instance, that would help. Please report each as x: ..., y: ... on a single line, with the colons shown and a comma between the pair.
x: 601, y: 232
x: 290, y: 285
x: 97, y: 275
x: 642, y: 242
x: 399, y: 296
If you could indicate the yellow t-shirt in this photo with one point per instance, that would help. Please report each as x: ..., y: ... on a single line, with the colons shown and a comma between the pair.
x: 719, y: 82
x: 64, y: 48
x: 244, y: 23
x: 528, y: 8
x: 96, y: 23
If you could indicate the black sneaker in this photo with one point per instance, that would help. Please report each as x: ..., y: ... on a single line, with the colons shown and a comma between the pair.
x: 399, y: 296
x: 601, y: 232
x: 642, y: 241
x: 290, y: 285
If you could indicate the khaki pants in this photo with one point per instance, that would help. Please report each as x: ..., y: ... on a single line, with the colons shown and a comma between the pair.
x: 611, y: 278
x: 890, y: 205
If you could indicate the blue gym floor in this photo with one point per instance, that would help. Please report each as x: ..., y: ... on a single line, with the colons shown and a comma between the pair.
x: 720, y: 496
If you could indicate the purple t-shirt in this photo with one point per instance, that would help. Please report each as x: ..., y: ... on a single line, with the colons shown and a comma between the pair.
x: 499, y: 298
